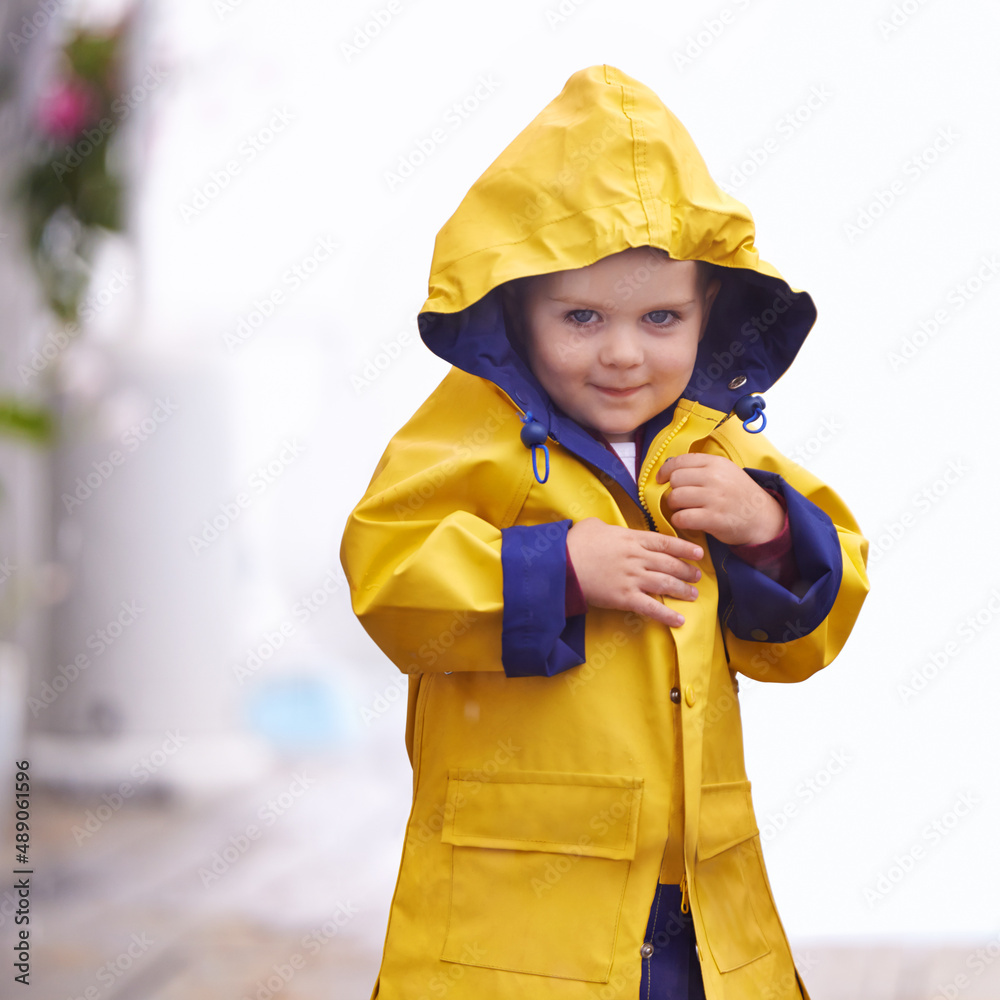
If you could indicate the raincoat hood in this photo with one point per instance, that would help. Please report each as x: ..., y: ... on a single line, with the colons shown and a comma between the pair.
x: 604, y: 167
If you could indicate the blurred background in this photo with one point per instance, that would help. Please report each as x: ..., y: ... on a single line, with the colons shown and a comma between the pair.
x: 216, y: 224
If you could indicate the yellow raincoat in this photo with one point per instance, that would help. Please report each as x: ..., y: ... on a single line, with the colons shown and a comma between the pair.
x: 555, y: 758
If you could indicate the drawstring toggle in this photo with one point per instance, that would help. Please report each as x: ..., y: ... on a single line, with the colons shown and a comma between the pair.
x: 533, y: 436
x: 748, y: 408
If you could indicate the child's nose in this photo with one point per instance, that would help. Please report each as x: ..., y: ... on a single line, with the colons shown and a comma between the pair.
x: 620, y: 348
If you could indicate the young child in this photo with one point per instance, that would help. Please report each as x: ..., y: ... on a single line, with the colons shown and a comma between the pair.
x: 572, y: 548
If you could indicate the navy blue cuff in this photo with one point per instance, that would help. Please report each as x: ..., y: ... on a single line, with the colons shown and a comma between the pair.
x: 755, y: 607
x: 538, y: 639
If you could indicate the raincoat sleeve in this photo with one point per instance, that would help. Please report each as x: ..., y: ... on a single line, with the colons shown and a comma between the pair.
x: 440, y: 576
x: 778, y: 633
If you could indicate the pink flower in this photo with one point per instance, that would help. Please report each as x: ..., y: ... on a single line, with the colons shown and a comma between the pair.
x: 66, y: 109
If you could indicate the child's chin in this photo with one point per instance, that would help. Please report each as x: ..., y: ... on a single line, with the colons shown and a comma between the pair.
x: 619, y: 434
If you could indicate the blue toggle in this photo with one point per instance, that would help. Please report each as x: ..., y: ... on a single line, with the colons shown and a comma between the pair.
x: 533, y: 436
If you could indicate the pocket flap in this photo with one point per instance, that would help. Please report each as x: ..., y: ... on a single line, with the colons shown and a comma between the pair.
x: 595, y: 815
x: 726, y: 817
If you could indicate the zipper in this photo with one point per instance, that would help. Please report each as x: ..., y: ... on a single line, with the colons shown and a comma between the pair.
x: 647, y: 467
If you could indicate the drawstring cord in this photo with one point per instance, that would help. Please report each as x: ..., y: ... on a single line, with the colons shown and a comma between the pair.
x: 533, y: 436
x: 748, y: 408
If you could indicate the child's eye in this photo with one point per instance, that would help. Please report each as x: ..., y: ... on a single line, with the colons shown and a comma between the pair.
x: 661, y: 317
x: 582, y: 317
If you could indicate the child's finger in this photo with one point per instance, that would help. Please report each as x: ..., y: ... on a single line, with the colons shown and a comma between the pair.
x: 688, y: 496
x: 680, y: 548
x: 658, y: 611
x: 685, y: 461
x: 662, y: 564
x: 668, y: 585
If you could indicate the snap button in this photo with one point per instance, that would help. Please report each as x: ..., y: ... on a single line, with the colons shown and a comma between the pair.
x: 675, y: 695
x: 646, y: 950
x: 737, y: 382
x: 689, y: 695
x: 759, y: 634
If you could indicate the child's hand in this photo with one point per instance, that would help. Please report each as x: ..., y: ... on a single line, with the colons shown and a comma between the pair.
x: 710, y: 493
x: 620, y: 568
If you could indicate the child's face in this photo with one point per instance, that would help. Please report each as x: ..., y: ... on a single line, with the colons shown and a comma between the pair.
x: 614, y: 343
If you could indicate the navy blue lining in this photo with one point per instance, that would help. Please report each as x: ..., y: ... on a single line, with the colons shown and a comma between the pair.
x: 750, y: 601
x: 538, y: 639
x: 755, y: 329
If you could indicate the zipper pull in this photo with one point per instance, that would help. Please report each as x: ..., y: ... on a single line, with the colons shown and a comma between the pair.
x: 685, y: 902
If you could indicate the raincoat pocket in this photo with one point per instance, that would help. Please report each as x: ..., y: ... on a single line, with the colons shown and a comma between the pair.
x: 728, y: 875
x: 539, y: 865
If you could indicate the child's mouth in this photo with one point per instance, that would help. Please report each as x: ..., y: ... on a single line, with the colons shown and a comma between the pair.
x: 618, y: 393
